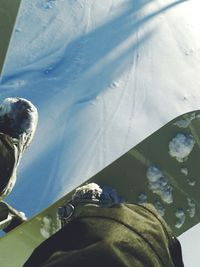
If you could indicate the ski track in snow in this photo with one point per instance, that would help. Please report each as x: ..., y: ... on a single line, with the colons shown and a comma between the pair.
x: 102, y: 84
x: 132, y: 77
x: 79, y: 63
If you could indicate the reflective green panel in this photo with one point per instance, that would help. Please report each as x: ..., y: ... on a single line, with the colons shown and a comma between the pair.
x: 8, y: 14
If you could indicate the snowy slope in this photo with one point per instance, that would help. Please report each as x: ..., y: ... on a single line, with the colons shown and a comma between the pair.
x: 104, y: 75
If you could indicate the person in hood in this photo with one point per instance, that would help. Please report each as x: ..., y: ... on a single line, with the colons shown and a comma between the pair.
x: 18, y: 122
x: 97, y: 229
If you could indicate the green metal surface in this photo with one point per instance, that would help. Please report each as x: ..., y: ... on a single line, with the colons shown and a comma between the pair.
x: 128, y: 175
x: 8, y: 15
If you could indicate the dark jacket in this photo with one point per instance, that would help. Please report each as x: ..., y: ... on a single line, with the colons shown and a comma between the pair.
x: 122, y: 235
x: 10, y: 151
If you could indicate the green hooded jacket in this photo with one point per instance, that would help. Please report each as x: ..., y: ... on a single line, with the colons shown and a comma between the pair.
x: 123, y: 235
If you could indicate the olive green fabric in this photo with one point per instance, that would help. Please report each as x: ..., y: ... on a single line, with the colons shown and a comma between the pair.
x: 122, y: 235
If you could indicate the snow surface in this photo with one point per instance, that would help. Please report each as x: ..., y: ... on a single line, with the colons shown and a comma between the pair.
x: 180, y: 215
x: 159, y: 208
x: 192, y: 207
x: 181, y: 146
x: 184, y: 123
x: 47, y: 227
x: 142, y: 198
x: 184, y: 171
x: 89, y: 191
x: 159, y: 184
x: 104, y: 75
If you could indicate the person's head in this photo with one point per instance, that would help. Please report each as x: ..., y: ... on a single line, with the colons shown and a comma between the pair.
x: 106, y: 197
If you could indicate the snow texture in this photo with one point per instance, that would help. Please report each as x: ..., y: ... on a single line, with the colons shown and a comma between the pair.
x: 192, y: 207
x: 184, y: 171
x: 47, y: 227
x: 142, y: 198
x: 98, y: 92
x: 159, y: 184
x: 90, y: 191
x: 191, y: 182
x: 159, y: 207
x: 184, y: 123
x: 23, y: 215
x: 180, y: 215
x: 46, y: 4
x: 181, y: 146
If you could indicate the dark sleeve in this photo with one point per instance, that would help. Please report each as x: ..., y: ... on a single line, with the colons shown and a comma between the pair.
x: 176, y: 253
x: 8, y: 159
x: 46, y: 249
